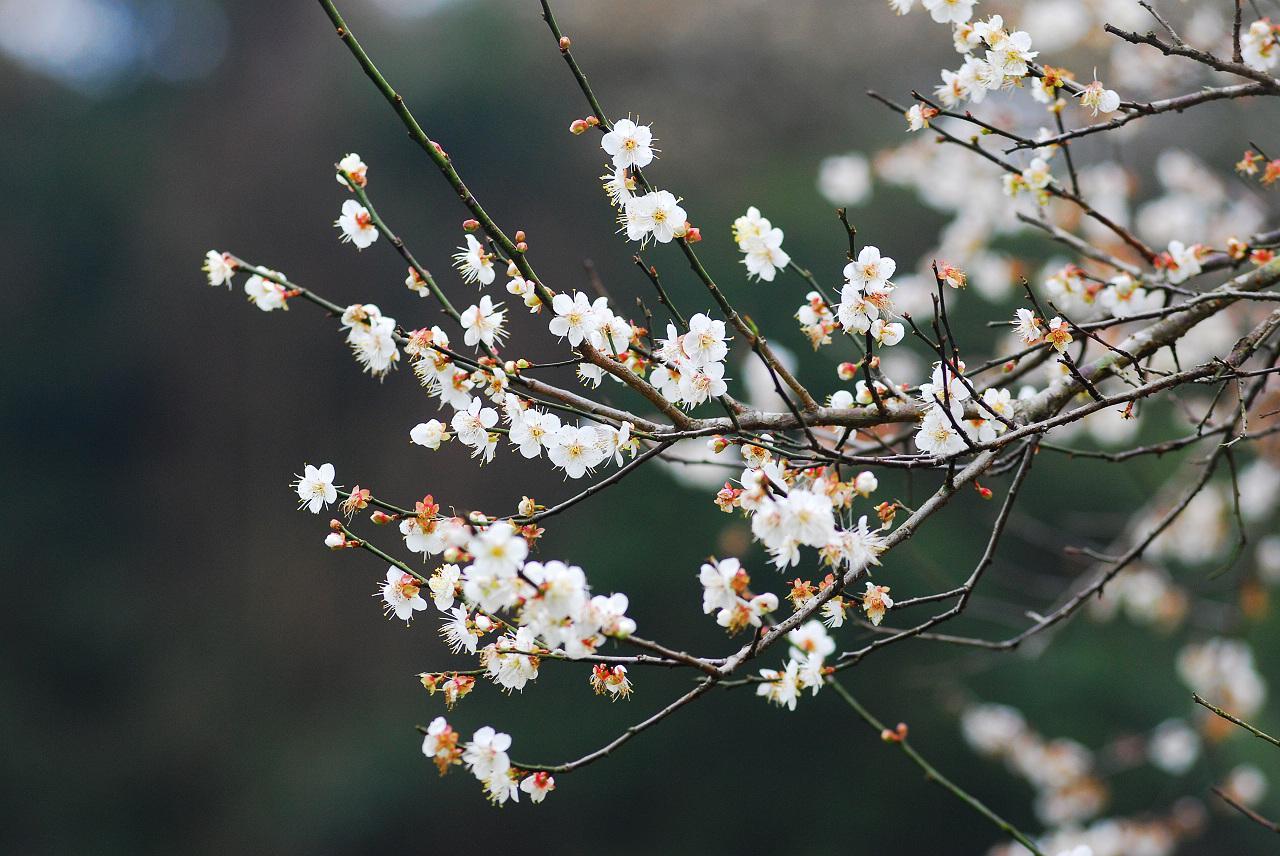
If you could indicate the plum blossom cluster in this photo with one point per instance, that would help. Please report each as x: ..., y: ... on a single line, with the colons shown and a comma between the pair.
x: 1126, y: 320
x: 691, y: 365
x: 866, y: 302
x: 946, y: 428
x: 485, y: 757
x: 761, y: 245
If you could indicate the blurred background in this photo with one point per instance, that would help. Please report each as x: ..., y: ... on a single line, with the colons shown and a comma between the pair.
x: 190, y: 670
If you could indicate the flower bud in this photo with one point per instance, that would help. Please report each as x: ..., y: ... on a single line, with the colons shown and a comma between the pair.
x: 454, y: 555
x: 381, y: 518
x: 522, y: 247
x: 718, y: 444
x: 578, y: 127
x: 520, y: 235
x: 564, y: 43
x: 692, y: 234
x: 847, y: 371
x: 335, y: 540
x: 483, y: 623
x: 335, y: 525
x: 886, y: 511
x: 470, y: 224
x: 593, y: 120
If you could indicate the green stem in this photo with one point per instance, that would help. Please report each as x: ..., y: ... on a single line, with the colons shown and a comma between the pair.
x: 933, y: 775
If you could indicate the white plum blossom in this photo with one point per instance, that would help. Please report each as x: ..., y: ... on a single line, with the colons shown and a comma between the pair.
x: 1099, y: 99
x: 459, y: 631
x: 400, y: 595
x: 629, y: 144
x: 356, y: 224
x: 764, y: 256
x: 871, y: 271
x: 656, y: 215
x: 1260, y: 46
x: 576, y: 318
x: 474, y: 263
x: 705, y: 342
x: 576, y: 450
x: 486, y: 753
x: 430, y: 434
x: 721, y: 581
x: 937, y: 435
x: 443, y: 585
x: 949, y: 11
x: 219, y: 267
x: 483, y: 323
x: 1181, y: 262
x: 352, y: 165
x: 538, y: 785
x: 472, y: 425
x: 533, y: 430
x: 265, y: 294
x: 315, y: 487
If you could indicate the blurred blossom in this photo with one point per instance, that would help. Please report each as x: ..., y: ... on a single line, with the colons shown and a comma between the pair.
x: 1174, y: 747
x: 1246, y: 784
x: 94, y: 45
x: 1222, y: 671
x: 845, y: 179
x: 1055, y: 25
x: 1259, y: 485
x: 1111, y: 426
x: 761, y: 393
x: 1268, y: 559
x: 695, y: 466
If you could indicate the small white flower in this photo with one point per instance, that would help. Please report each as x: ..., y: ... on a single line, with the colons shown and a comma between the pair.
x: 354, y: 167
x: 219, y: 267
x: 629, y: 144
x: 474, y: 263
x: 576, y: 317
x: 937, y: 436
x: 315, y: 487
x: 486, y: 754
x: 620, y: 185
x: 705, y: 342
x: 949, y: 11
x: 887, y: 333
x: 657, y: 214
x: 576, y: 450
x: 430, y: 434
x: 459, y: 632
x: 537, y: 786
x: 871, y: 271
x: 1098, y: 99
x: 1182, y: 262
x: 1027, y: 326
x: 356, y: 224
x: 443, y: 585
x: 483, y: 323
x: 472, y: 425
x: 765, y: 256
x: 265, y: 294
x: 400, y: 595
